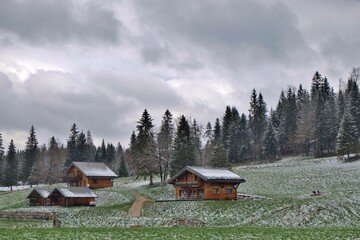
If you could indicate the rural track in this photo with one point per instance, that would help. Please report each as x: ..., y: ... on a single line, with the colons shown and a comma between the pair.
x: 135, y: 210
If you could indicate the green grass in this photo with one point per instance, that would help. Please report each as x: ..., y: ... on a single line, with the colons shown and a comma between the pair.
x: 289, y: 212
x: 182, y: 233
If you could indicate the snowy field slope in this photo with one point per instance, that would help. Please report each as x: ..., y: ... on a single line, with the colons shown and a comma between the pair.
x: 287, y: 184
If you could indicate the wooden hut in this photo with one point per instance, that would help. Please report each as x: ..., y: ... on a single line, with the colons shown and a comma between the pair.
x: 72, y: 196
x: 39, y: 197
x: 206, y: 183
x: 89, y: 174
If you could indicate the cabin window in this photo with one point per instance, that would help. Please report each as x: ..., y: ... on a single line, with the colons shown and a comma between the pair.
x: 215, y: 190
x: 94, y: 181
x: 228, y: 190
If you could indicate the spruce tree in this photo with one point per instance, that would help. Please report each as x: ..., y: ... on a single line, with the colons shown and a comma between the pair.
x: 122, y: 172
x: 165, y: 140
x: 55, y: 166
x: 208, y: 145
x: 270, y: 149
x: 39, y: 170
x: 226, y: 124
x: 11, y: 167
x: 234, y: 137
x: 219, y: 156
x: 257, y: 122
x: 146, y: 156
x: 353, y: 99
x: 110, y: 156
x: 195, y: 133
x: 90, y: 148
x: 290, y: 124
x: 305, y: 124
x: 30, y: 155
x: 244, y: 141
x: 81, y: 147
x: 184, y: 154
x: 347, y: 138
x: 72, y: 146
x: 278, y: 122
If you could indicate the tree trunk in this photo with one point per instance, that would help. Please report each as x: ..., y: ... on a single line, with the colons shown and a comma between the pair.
x: 151, y: 179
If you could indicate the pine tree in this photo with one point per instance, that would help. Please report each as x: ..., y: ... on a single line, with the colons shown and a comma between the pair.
x: 165, y: 140
x: 234, y: 137
x: 56, y: 159
x: 130, y: 155
x: 195, y: 133
x: 226, y: 124
x: 184, y: 154
x: 305, y: 124
x: 278, y: 122
x: 353, y: 99
x: 110, y: 156
x: 146, y: 156
x: 81, y: 148
x: 270, y: 143
x: 208, y: 146
x: 39, y: 170
x: 90, y: 148
x: 244, y: 141
x: 30, y: 155
x: 122, y: 172
x: 11, y: 167
x: 72, y: 146
x: 347, y: 138
x: 290, y: 124
x: 331, y: 126
x: 257, y: 121
x: 219, y: 156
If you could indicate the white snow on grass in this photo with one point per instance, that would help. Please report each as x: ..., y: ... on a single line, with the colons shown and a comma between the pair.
x: 289, y: 183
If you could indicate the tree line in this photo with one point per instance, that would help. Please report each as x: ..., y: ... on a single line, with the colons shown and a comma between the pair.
x: 46, y: 164
x: 318, y: 122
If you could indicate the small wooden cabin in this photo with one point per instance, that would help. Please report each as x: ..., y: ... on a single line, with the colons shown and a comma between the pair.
x: 89, y: 174
x: 206, y: 184
x: 39, y: 197
x: 72, y: 196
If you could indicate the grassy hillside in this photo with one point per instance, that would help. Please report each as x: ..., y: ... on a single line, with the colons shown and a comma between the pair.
x: 286, y: 184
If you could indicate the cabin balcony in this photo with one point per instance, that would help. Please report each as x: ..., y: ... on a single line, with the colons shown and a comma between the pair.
x: 188, y: 184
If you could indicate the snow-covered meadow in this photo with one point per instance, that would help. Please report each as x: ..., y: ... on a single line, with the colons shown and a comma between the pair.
x: 287, y: 185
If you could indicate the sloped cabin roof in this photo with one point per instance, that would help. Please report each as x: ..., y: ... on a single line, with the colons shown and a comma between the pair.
x: 93, y: 169
x: 43, y: 192
x: 210, y: 175
x: 73, y: 192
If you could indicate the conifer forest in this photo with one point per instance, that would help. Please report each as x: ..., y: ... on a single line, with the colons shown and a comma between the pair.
x: 321, y: 121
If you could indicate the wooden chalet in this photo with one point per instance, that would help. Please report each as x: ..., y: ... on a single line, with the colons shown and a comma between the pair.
x: 89, y: 174
x: 72, y: 196
x: 206, y: 183
x: 39, y: 197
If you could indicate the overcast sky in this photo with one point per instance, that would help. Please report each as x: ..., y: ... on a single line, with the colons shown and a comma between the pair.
x: 99, y: 64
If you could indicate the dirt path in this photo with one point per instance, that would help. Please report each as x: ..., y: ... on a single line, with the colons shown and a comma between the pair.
x: 135, y: 210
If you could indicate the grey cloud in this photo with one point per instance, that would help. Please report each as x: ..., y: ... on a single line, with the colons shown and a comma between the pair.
x: 155, y: 54
x: 105, y: 103
x: 232, y: 30
x: 54, y: 22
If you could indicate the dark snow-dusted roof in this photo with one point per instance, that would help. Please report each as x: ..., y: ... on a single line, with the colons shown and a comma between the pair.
x: 75, y: 192
x: 43, y: 192
x: 210, y: 174
x: 93, y: 169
